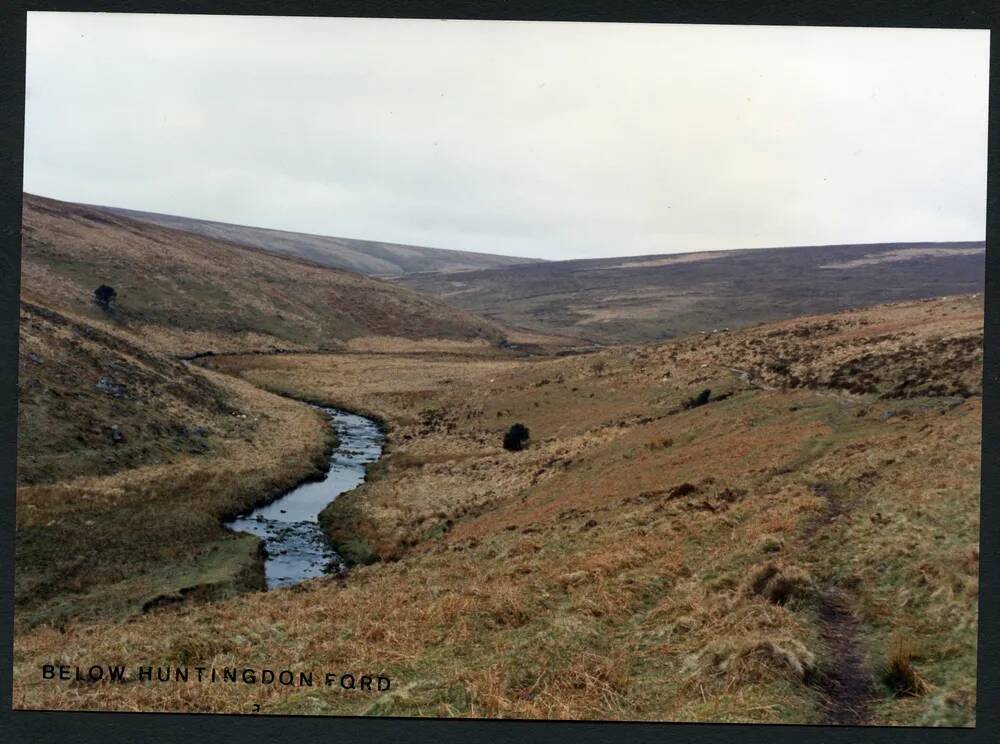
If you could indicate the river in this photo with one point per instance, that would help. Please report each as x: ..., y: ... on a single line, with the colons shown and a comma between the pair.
x: 297, y: 549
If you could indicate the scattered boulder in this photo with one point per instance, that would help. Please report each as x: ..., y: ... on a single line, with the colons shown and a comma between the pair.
x: 110, y: 387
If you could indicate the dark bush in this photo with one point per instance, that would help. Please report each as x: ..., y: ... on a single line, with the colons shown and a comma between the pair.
x: 516, y: 437
x: 699, y: 400
x: 104, y: 296
x: 780, y: 366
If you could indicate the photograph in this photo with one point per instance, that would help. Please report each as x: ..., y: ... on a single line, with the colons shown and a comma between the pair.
x: 496, y: 369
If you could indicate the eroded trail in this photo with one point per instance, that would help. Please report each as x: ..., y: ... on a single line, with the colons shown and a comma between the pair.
x: 847, y: 684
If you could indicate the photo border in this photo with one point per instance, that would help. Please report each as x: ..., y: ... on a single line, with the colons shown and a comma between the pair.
x: 38, y: 726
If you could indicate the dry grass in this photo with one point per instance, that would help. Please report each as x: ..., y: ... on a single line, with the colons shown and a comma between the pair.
x: 900, y: 675
x: 159, y: 526
x: 184, y: 293
x: 780, y: 584
x: 94, y: 402
x: 577, y: 579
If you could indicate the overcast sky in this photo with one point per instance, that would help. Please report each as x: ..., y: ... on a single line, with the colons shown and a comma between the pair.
x: 554, y: 140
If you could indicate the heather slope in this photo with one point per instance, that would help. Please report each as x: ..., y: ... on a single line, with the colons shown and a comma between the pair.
x: 187, y: 293
x: 649, y: 298
x: 93, y: 401
x: 369, y: 257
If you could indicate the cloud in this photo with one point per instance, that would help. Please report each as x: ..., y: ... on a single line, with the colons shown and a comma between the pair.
x: 558, y: 140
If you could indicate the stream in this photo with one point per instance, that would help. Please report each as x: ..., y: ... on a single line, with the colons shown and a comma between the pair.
x: 297, y: 549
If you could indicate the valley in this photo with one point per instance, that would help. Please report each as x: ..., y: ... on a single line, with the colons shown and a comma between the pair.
x: 774, y: 521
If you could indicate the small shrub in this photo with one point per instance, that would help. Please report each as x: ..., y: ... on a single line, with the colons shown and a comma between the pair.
x: 516, y: 438
x: 684, y: 489
x: 660, y: 444
x: 104, y: 296
x: 779, y: 366
x: 731, y: 495
x: 770, y: 544
x: 507, y: 608
x: 356, y: 550
x: 699, y: 400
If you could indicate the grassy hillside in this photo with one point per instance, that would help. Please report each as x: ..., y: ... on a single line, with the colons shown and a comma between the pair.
x: 127, y: 464
x: 123, y: 445
x: 648, y: 298
x: 362, y: 256
x: 92, y: 401
x: 801, y: 548
x: 186, y: 294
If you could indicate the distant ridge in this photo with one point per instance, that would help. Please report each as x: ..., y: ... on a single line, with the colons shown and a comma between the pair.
x: 369, y: 257
x: 655, y: 297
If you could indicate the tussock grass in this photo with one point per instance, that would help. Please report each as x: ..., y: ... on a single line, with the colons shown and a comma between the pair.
x: 662, y: 443
x: 780, y: 584
x: 755, y: 659
x: 899, y: 673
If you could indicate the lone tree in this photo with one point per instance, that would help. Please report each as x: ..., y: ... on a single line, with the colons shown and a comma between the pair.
x: 516, y: 437
x: 104, y: 296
